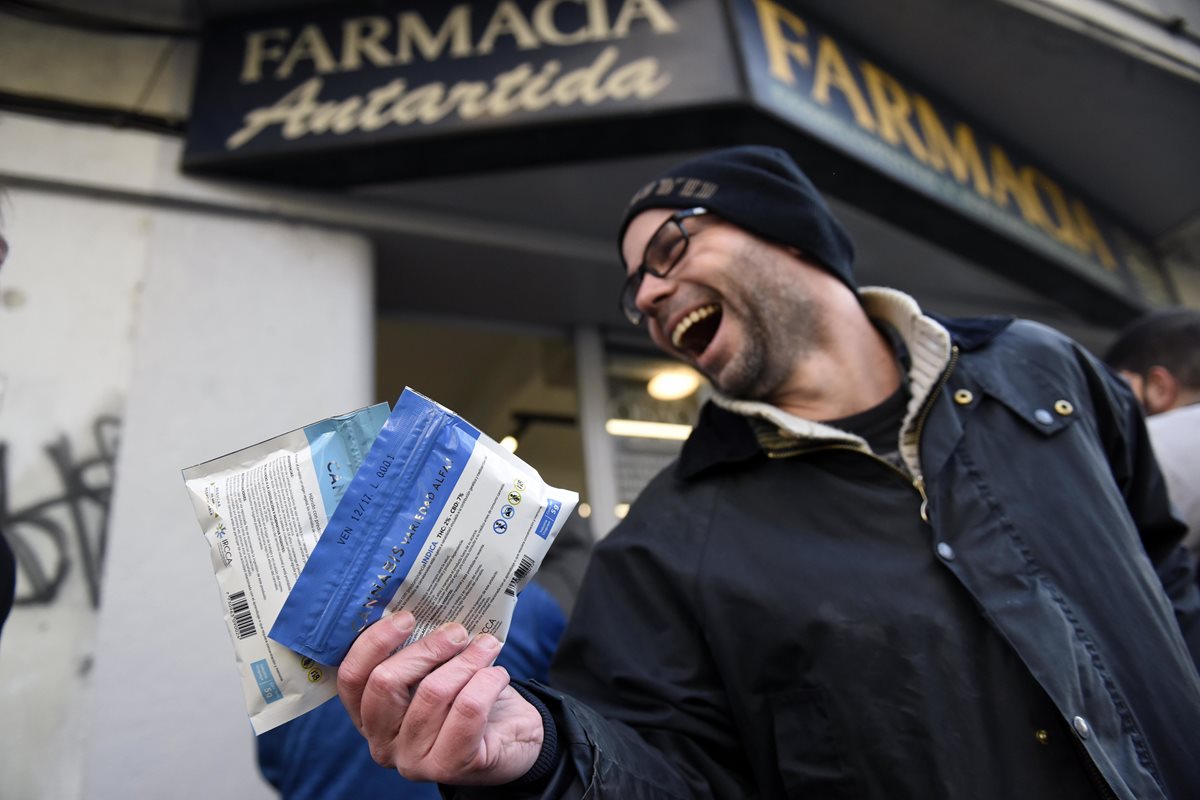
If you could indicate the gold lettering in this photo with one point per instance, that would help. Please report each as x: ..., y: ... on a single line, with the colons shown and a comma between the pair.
x: 363, y: 36
x: 290, y: 111
x: 468, y: 97
x: 543, y: 23
x: 893, y: 110
x: 780, y: 49
x: 598, y: 19
x: 638, y: 78
x: 832, y: 71
x: 502, y: 100
x: 1007, y: 182
x: 649, y: 10
x: 339, y: 117
x: 584, y: 84
x: 419, y: 104
x: 259, y: 48
x: 533, y: 96
x: 301, y: 112
x: 1089, y: 235
x: 507, y: 20
x: 455, y: 31
x: 373, y: 116
x: 309, y: 45
x: 961, y: 155
x: 1062, y: 224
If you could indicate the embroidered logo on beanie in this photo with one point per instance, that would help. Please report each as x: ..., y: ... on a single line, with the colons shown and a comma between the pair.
x: 761, y: 190
x: 690, y: 188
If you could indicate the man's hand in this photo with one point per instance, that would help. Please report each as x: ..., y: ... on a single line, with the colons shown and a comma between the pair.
x: 437, y: 710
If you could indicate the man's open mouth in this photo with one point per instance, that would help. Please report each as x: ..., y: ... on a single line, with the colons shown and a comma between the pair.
x: 694, y: 332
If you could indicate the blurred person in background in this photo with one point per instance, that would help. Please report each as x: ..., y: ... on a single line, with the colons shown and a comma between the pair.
x: 1159, y: 354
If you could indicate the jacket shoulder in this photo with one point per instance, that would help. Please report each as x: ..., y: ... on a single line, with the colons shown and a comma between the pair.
x: 1026, y: 344
x: 1027, y: 333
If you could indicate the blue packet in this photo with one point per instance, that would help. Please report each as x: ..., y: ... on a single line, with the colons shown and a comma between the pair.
x: 440, y: 520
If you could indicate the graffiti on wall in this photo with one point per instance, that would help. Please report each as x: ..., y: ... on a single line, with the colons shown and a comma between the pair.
x: 67, y: 530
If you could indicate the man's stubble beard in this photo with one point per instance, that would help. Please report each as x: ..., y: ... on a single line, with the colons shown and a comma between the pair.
x: 781, y: 324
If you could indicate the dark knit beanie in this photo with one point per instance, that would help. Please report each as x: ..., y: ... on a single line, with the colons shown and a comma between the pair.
x: 761, y: 190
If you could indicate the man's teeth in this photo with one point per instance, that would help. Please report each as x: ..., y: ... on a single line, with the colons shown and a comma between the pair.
x: 690, y: 320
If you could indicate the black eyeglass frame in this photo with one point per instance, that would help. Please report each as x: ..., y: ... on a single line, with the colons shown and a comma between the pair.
x: 633, y: 283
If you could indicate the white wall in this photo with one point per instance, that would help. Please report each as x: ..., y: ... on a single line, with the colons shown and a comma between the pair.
x: 68, y: 306
x: 191, y: 325
x: 249, y: 330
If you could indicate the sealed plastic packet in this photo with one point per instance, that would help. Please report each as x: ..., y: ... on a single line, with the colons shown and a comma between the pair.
x: 440, y: 520
x: 262, y: 510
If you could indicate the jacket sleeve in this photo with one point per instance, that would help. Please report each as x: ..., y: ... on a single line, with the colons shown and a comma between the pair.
x: 1123, y: 432
x: 637, y: 707
x: 637, y: 703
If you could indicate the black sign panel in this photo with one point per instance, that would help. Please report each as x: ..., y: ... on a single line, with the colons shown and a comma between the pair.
x: 350, y: 92
x: 819, y: 83
x: 379, y: 90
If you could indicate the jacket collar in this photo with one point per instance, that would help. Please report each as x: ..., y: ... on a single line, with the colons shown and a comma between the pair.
x: 730, y: 429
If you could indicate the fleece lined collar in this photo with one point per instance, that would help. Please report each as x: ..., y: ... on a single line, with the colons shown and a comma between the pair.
x: 929, y: 347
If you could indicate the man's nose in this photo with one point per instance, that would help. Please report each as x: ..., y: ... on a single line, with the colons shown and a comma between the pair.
x: 652, y: 291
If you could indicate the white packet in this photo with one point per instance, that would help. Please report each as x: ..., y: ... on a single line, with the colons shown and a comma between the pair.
x: 440, y: 520
x: 262, y: 510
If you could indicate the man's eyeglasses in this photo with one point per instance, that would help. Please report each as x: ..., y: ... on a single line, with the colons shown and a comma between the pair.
x: 664, y: 250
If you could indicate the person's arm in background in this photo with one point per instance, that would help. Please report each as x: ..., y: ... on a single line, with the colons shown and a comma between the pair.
x: 8, y: 579
x: 8, y: 565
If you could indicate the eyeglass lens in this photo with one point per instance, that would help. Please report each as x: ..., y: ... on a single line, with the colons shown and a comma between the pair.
x: 665, y: 249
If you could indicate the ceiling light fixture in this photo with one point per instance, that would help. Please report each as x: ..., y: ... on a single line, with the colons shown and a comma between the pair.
x: 647, y: 430
x: 674, y: 383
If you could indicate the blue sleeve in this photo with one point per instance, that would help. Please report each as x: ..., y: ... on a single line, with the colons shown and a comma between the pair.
x: 537, y: 625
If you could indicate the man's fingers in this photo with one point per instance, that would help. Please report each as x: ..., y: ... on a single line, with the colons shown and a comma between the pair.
x: 385, y: 698
x: 429, y: 706
x: 370, y: 649
x: 471, y: 709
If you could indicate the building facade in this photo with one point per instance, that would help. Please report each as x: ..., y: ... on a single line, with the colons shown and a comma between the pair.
x: 228, y: 225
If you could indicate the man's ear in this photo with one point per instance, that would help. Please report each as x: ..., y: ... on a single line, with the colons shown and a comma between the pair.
x: 1161, y: 390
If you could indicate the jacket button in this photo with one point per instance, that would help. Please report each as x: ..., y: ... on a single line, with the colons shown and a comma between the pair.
x: 1043, y: 416
x: 963, y: 397
x: 945, y: 551
x: 1041, y: 736
x: 1081, y: 727
x: 1064, y: 408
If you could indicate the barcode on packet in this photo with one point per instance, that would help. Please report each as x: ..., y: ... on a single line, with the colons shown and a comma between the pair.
x: 239, y: 611
x: 519, y: 575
